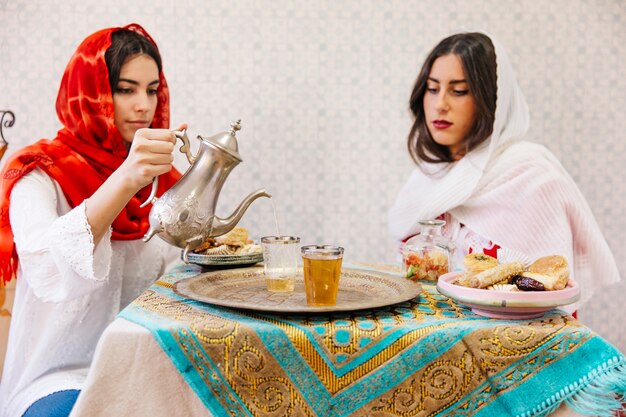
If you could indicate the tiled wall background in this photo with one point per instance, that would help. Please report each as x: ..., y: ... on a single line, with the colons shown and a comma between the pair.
x: 322, y: 88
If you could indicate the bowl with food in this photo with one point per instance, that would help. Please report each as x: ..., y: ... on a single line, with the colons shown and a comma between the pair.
x: 511, y: 290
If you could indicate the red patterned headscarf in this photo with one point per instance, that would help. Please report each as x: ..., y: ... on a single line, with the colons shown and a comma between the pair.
x: 87, y: 149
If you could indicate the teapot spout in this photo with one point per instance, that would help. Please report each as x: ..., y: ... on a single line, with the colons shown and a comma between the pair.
x: 153, y: 231
x: 223, y: 226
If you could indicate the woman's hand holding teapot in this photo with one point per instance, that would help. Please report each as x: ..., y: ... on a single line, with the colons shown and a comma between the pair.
x: 150, y: 155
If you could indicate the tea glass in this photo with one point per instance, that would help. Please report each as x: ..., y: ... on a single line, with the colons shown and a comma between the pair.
x: 322, y: 269
x: 280, y: 256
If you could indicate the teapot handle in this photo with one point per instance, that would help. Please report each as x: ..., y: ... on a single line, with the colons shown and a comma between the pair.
x: 186, y: 149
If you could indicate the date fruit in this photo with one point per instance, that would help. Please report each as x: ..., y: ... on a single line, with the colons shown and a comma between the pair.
x: 528, y: 284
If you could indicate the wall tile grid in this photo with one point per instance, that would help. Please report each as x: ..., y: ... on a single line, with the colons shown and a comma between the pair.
x: 322, y: 89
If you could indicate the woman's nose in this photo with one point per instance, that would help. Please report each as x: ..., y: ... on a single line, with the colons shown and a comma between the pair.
x: 142, y: 102
x: 442, y: 103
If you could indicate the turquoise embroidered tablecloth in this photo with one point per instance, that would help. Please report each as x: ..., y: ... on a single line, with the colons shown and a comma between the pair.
x: 426, y: 357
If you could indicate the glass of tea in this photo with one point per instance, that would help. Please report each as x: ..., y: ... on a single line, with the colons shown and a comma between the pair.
x: 280, y: 256
x: 322, y: 269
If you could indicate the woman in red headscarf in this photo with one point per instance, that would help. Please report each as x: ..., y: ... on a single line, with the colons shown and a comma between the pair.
x: 71, y: 222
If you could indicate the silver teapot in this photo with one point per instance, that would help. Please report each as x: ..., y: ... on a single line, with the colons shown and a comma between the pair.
x: 184, y: 215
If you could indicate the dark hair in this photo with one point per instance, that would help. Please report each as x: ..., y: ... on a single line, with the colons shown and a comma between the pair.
x: 478, y: 56
x: 126, y: 43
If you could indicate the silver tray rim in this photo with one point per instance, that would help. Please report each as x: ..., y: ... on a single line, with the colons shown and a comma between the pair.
x: 224, y: 260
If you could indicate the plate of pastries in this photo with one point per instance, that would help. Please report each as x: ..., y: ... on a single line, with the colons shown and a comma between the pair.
x: 511, y: 290
x: 234, y: 249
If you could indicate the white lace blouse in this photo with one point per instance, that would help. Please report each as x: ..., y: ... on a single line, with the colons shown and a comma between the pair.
x: 67, y: 291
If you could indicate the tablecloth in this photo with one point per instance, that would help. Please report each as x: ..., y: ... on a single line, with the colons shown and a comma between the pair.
x: 427, y: 356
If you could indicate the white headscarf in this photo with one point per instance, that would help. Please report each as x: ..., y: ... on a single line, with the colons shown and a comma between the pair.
x: 449, y: 185
x: 512, y: 192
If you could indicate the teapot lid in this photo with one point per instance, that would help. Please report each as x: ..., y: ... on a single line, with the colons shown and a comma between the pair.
x: 227, y: 141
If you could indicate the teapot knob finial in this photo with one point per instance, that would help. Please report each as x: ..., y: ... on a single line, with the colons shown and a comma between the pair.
x: 235, y: 126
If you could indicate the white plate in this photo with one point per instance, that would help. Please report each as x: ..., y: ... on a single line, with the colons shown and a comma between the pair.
x: 517, y: 305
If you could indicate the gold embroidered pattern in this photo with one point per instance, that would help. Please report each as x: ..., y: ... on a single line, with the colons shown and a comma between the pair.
x: 447, y: 353
x: 242, y: 359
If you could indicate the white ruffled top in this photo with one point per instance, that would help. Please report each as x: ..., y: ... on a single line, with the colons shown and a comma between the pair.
x: 67, y: 291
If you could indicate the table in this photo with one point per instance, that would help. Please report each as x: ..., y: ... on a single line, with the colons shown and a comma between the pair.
x: 166, y: 355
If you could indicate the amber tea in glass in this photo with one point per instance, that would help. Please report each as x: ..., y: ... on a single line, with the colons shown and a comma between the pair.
x: 322, y: 269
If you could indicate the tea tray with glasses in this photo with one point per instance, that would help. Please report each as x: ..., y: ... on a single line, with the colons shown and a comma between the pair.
x: 246, y: 288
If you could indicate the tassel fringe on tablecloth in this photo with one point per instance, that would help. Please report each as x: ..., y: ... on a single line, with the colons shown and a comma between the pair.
x: 604, y: 396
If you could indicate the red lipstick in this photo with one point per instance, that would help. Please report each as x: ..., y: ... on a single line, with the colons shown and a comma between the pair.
x: 441, y: 124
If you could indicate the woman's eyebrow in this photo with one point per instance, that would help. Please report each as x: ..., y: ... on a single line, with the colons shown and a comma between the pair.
x: 451, y: 82
x: 126, y: 80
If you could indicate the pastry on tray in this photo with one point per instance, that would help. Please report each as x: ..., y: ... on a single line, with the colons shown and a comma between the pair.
x: 474, y: 264
x: 496, y: 275
x: 235, y: 242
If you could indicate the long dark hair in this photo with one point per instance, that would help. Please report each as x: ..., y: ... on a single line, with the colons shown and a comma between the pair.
x: 126, y: 43
x: 478, y: 56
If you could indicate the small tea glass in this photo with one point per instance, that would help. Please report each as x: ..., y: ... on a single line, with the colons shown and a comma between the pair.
x: 322, y: 269
x: 280, y: 256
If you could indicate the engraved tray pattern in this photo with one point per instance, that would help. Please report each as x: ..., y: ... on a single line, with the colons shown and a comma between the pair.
x: 224, y: 260
x: 245, y: 288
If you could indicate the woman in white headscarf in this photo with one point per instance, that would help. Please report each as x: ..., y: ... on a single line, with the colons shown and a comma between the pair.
x: 498, y: 193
